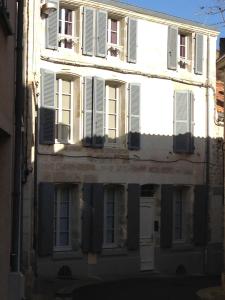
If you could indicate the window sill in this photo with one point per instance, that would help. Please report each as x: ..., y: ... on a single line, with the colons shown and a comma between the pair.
x: 182, y: 246
x: 67, y: 255
x: 4, y: 19
x: 114, y: 252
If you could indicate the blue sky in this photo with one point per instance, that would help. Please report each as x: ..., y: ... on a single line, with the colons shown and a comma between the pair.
x: 188, y: 9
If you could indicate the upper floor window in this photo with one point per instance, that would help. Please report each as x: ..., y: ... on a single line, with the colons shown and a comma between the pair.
x: 63, y: 110
x: 113, y: 37
x: 112, y: 113
x: 179, y: 50
x: 66, y: 28
x: 183, y: 50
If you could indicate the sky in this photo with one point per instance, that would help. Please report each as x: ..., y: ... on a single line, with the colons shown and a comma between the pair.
x: 204, y: 11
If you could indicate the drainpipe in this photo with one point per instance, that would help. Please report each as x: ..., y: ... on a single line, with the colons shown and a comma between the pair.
x: 207, y: 154
x: 16, y: 238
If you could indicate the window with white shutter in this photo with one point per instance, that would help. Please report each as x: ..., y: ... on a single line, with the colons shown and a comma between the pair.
x: 94, y: 110
x: 66, y: 34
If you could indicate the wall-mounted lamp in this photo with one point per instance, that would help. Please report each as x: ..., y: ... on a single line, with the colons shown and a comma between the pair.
x: 48, y: 8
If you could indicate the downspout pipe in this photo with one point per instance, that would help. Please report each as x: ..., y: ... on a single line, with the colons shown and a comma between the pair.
x: 207, y: 155
x: 16, y: 238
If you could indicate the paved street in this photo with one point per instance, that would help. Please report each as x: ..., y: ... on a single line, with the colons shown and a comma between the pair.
x: 182, y: 288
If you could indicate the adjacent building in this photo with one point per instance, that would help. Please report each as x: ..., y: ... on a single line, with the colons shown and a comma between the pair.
x: 7, y: 97
x: 123, y: 145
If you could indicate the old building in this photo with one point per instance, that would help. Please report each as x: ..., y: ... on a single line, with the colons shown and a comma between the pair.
x: 125, y: 153
x: 7, y: 119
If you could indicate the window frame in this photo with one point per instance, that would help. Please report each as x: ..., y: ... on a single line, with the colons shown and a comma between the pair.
x: 115, y: 189
x: 118, y: 102
x: 181, y: 193
x: 111, y: 46
x: 56, y: 229
x: 62, y: 35
x: 59, y: 109
x: 184, y: 62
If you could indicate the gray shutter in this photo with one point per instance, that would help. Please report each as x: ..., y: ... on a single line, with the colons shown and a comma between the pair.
x: 98, y: 217
x: 98, y: 111
x: 88, y: 111
x: 166, y: 227
x: 101, y: 33
x: 134, y: 116
x: 199, y: 54
x: 47, y: 109
x: 45, y: 218
x: 88, y: 31
x: 172, y: 48
x: 86, y: 218
x: 52, y: 23
x: 133, y: 226
x: 200, y: 215
x: 132, y: 41
x: 183, y: 122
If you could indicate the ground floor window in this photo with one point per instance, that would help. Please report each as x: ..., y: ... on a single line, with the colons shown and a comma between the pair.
x: 62, y: 218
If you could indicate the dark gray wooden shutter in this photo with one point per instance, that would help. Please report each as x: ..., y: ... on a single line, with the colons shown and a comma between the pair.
x: 98, y: 217
x: 86, y: 218
x: 132, y: 41
x: 47, y: 108
x: 134, y: 116
x: 88, y: 111
x: 52, y: 23
x: 200, y: 215
x: 133, y: 226
x: 198, y: 54
x: 172, y: 48
x: 183, y: 122
x: 101, y: 33
x: 166, y: 227
x: 88, y: 31
x: 45, y: 218
x: 98, y: 111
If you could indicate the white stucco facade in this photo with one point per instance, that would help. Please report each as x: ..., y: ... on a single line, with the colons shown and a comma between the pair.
x: 155, y: 163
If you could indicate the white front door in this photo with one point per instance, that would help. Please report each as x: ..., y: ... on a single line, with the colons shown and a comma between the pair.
x: 146, y: 233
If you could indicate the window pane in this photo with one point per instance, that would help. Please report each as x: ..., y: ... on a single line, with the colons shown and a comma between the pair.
x: 112, y: 107
x: 114, y: 37
x: 114, y: 25
x: 112, y: 121
x: 64, y: 225
x: 60, y: 26
x: 110, y: 236
x: 68, y: 15
x: 64, y: 239
x: 112, y: 135
x: 57, y: 101
x: 110, y: 222
x: 65, y: 102
x: 66, y: 87
x: 60, y: 13
x: 110, y: 209
x: 64, y: 209
x: 68, y: 28
x: 112, y: 92
x: 65, y: 117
